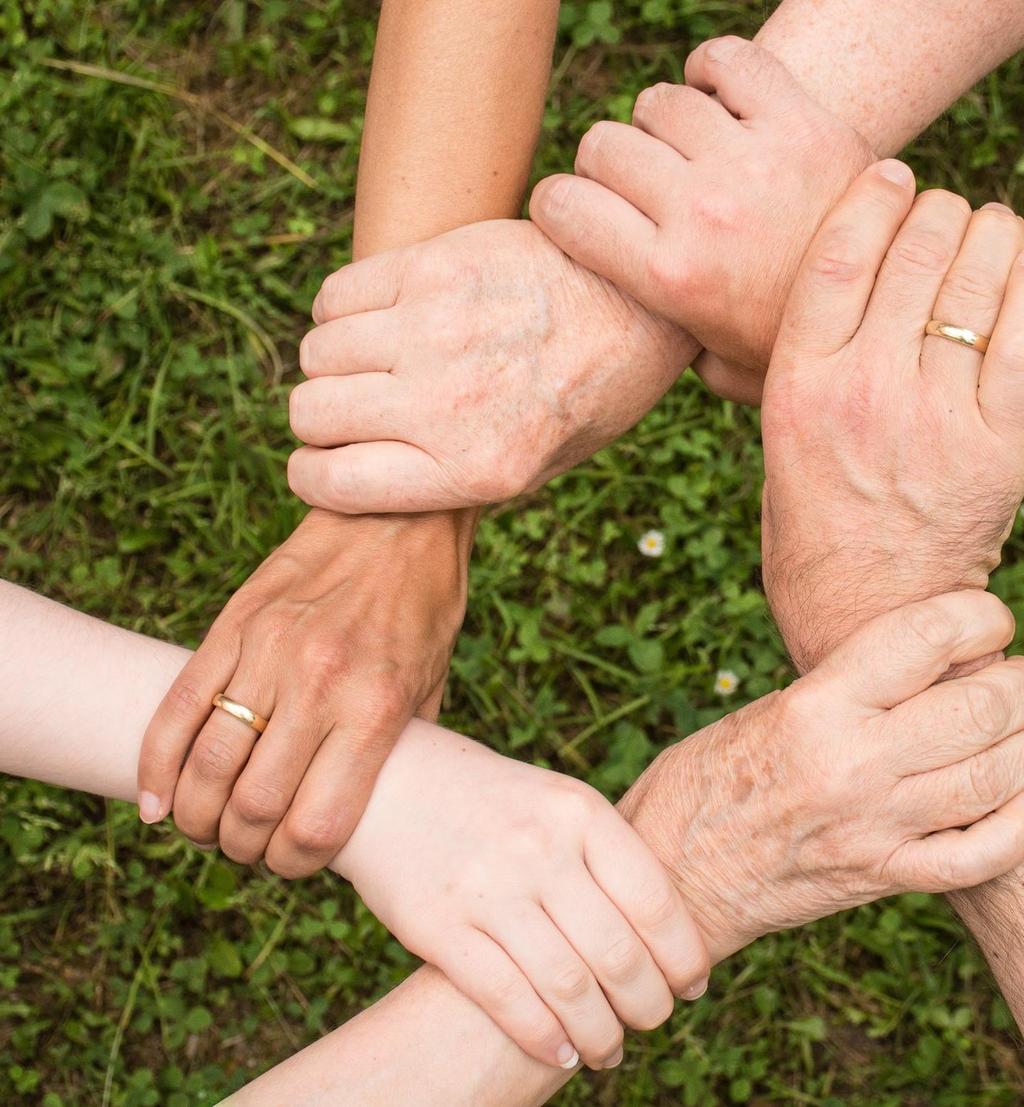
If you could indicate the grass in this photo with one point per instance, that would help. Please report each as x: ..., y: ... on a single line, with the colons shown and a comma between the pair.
x: 165, y: 219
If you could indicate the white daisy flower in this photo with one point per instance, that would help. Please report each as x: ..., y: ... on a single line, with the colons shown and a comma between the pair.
x: 652, y: 543
x: 726, y: 682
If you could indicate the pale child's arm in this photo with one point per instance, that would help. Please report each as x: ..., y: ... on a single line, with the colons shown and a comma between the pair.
x: 75, y: 697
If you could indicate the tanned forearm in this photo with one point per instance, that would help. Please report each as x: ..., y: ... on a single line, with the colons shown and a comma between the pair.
x: 452, y: 118
x: 455, y: 105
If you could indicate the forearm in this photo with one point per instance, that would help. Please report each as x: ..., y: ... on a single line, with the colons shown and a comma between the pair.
x: 452, y: 118
x: 889, y: 69
x: 75, y: 697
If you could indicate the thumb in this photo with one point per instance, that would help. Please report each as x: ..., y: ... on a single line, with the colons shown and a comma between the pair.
x: 898, y: 655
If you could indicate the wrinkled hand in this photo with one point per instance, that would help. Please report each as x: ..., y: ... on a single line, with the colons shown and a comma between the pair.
x: 338, y: 638
x: 852, y: 784
x: 529, y: 891
x: 703, y: 207
x: 467, y: 370
x: 894, y: 462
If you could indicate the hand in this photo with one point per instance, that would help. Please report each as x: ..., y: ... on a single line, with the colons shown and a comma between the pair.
x: 854, y: 783
x: 703, y: 207
x: 467, y: 370
x: 529, y: 892
x: 894, y: 462
x: 338, y: 638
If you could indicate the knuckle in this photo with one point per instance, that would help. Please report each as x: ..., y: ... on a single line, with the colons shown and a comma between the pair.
x: 186, y: 702
x: 214, y: 759
x: 322, y: 661
x: 503, y: 990
x: 986, y: 708
x: 623, y: 960
x: 658, y: 908
x: 339, y: 485
x: 388, y: 704
x: 985, y: 780
x: 670, y: 272
x: 570, y: 982
x: 259, y: 804
x: 315, y: 834
x: 720, y: 212
x: 929, y: 626
x: 957, y: 867
x: 921, y: 250
x: 580, y: 802
x: 837, y: 259
x: 972, y: 283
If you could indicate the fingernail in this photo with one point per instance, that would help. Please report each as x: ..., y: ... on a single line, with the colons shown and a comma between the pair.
x: 203, y: 845
x: 568, y: 1058
x: 151, y: 810
x: 614, y: 1060
x: 695, y: 991
x: 996, y: 206
x: 896, y: 171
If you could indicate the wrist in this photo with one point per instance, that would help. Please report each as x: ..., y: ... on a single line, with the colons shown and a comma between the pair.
x: 691, y: 809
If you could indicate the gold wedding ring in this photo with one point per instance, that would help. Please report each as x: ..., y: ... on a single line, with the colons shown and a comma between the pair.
x: 242, y: 713
x: 961, y: 335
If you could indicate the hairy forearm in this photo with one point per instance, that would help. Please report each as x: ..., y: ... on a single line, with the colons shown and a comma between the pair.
x: 452, y: 118
x: 889, y: 69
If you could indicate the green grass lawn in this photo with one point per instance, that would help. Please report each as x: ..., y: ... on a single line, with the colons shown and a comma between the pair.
x: 165, y: 220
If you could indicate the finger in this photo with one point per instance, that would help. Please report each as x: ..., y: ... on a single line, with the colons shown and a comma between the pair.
x: 179, y: 718
x: 617, y: 957
x: 730, y: 380
x: 218, y: 756
x: 372, y: 477
x: 637, y: 883
x: 365, y: 343
x: 595, y: 227
x: 562, y: 980
x: 834, y: 282
x: 961, y: 794
x: 971, y: 296
x: 747, y: 79
x: 335, y: 411
x: 641, y: 169
x: 268, y: 782
x: 1001, y: 392
x: 954, y: 859
x: 482, y: 970
x: 915, y: 267
x: 685, y: 118
x: 372, y: 284
x: 334, y: 792
x: 903, y: 652
x: 958, y: 718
